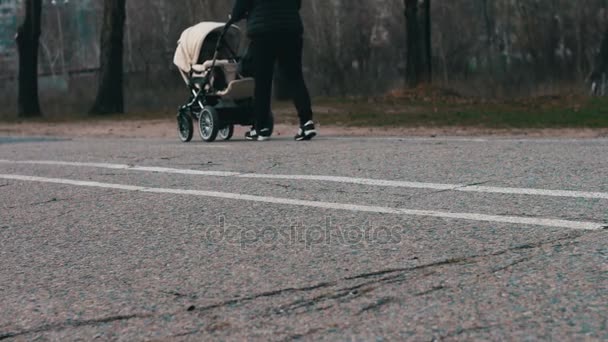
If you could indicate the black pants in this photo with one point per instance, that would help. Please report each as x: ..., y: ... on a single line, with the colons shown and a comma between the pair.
x: 286, y: 49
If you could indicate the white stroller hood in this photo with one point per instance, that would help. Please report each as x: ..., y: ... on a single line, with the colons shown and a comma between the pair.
x: 191, y: 42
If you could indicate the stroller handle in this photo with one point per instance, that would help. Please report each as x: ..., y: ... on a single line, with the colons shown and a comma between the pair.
x: 220, y: 41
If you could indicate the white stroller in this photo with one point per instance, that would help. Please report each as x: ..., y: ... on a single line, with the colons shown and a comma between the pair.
x: 219, y: 97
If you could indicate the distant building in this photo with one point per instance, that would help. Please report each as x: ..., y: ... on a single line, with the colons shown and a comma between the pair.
x: 77, y: 46
x: 9, y: 10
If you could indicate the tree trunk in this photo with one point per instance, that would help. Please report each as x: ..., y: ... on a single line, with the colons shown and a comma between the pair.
x: 428, y: 48
x: 413, y: 44
x: 602, y: 61
x: 28, y: 38
x: 600, y: 70
x: 580, y: 44
x: 489, y: 36
x: 552, y: 40
x: 110, y: 91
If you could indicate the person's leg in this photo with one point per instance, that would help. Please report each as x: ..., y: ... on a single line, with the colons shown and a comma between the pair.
x: 290, y: 62
x: 263, y: 59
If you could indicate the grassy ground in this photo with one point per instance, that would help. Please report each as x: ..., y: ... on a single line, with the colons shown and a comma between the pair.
x: 437, y: 111
x: 427, y: 108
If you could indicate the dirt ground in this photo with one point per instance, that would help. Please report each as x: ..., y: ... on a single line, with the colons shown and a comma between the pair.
x: 166, y: 128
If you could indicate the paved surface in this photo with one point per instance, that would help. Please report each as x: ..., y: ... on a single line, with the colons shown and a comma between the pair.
x: 212, y: 244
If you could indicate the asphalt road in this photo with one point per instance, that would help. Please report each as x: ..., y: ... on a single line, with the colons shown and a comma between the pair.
x: 336, y: 239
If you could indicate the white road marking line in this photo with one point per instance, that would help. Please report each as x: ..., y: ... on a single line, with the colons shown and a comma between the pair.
x: 555, y: 223
x: 124, y: 167
x: 481, y: 139
x: 335, y: 179
x: 412, y: 139
x: 435, y: 186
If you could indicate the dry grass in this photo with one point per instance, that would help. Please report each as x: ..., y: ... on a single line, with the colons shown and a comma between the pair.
x: 423, y: 107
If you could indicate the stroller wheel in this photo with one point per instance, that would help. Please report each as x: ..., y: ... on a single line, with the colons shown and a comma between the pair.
x: 185, y: 128
x: 227, y: 132
x: 208, y: 124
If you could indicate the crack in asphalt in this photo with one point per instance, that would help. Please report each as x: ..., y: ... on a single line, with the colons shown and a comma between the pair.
x: 72, y: 324
x: 304, y: 334
x: 400, y: 275
x: 378, y: 304
x: 461, y: 331
x: 435, y: 192
x: 264, y: 294
x: 287, y: 187
x: 511, y: 264
x: 347, y: 293
x: 464, y: 186
x: 409, y: 269
x: 92, y: 198
x: 52, y: 200
x: 434, y: 289
x: 187, y: 333
x: 482, y: 183
x: 350, y: 293
x: 179, y: 295
x: 401, y: 272
x: 168, y: 158
x: 356, y: 291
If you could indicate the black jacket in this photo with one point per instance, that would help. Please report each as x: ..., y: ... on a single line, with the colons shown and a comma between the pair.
x: 269, y: 16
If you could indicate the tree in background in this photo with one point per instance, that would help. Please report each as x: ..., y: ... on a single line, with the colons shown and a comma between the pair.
x: 489, y: 33
x: 428, y: 47
x: 414, y: 44
x: 598, y: 77
x: 110, y: 97
x: 28, y: 38
x: 482, y: 48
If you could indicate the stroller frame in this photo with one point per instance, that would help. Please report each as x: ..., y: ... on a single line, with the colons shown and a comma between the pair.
x: 219, y: 98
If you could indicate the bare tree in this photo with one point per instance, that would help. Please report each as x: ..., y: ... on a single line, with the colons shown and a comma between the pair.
x: 353, y: 47
x: 414, y: 43
x: 110, y: 97
x: 600, y: 70
x: 488, y: 23
x: 28, y: 38
x: 428, y: 47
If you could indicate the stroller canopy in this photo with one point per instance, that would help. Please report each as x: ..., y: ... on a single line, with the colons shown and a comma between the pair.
x: 197, y: 43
